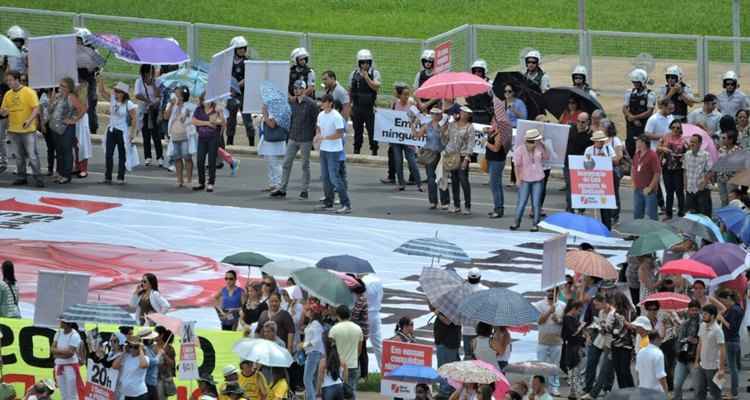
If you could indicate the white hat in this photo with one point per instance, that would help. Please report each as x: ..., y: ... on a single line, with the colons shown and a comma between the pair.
x: 435, y: 110
x: 230, y: 369
x: 475, y: 273
x: 466, y: 109
x: 147, y: 334
x: 532, y: 134
x: 643, y: 322
x: 599, y: 136
x: 122, y: 86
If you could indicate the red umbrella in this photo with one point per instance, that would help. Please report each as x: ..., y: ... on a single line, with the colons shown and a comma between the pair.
x: 689, y: 267
x: 450, y: 85
x: 668, y: 300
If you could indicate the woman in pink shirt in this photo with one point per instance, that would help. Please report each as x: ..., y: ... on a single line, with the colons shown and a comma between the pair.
x: 529, y: 175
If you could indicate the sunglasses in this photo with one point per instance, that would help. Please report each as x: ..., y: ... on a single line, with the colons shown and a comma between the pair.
x: 530, y: 141
x: 229, y: 279
x: 508, y: 91
x: 531, y: 62
x: 144, y: 281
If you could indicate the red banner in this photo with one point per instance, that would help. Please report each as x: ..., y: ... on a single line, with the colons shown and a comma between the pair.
x: 442, y: 57
x: 397, y: 353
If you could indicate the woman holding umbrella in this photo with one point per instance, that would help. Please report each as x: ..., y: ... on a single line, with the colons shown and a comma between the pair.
x: 147, y: 92
x: 457, y: 138
x: 208, y: 119
x: 431, y: 153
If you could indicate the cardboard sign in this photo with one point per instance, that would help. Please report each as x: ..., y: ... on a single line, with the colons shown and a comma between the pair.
x: 255, y: 73
x: 101, y: 381
x: 553, y: 269
x: 188, y: 366
x: 442, y: 57
x: 52, y: 58
x: 395, y: 354
x: 220, y: 75
x: 56, y: 291
x: 393, y: 126
x: 592, y: 182
x: 555, y: 136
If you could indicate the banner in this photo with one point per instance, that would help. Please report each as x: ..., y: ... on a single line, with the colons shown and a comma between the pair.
x: 592, y: 182
x: 395, y: 354
x: 255, y: 73
x: 56, y: 292
x: 555, y: 136
x: 188, y: 366
x: 52, y: 58
x: 101, y: 381
x: 220, y: 75
x: 442, y: 57
x: 553, y: 267
x: 392, y: 126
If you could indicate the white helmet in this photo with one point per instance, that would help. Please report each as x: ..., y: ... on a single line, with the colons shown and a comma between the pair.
x: 82, y: 33
x: 674, y: 70
x: 428, y: 55
x: 639, y: 75
x: 299, y: 52
x: 533, y: 54
x: 580, y: 70
x: 729, y: 76
x: 238, y: 41
x: 364, y: 55
x: 16, y: 32
x: 479, y: 63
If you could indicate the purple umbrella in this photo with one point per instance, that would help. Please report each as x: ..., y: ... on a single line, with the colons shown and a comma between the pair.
x: 155, y: 51
x: 726, y: 259
x: 113, y: 43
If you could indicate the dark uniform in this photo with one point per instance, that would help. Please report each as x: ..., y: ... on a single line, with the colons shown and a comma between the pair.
x: 235, y: 104
x: 680, y: 106
x: 363, y: 110
x: 298, y: 73
x: 638, y: 104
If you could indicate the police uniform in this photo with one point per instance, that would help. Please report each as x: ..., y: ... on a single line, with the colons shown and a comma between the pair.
x: 234, y: 105
x: 363, y: 108
x: 637, y: 102
x: 539, y: 78
x: 301, y: 73
x: 680, y: 106
x: 729, y: 104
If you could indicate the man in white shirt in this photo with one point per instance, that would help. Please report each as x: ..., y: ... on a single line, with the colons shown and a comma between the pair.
x: 65, y: 348
x: 374, y: 295
x: 549, y: 346
x: 329, y: 133
x: 601, y: 148
x: 711, y: 354
x: 657, y: 124
x: 708, y: 116
x: 649, y: 364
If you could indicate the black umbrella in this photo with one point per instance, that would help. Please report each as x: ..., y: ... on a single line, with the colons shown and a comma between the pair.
x: 526, y: 90
x: 556, y: 100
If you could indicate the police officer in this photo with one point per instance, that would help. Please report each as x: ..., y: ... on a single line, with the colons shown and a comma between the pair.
x: 678, y: 91
x: 87, y: 73
x: 580, y: 80
x: 731, y: 100
x: 638, y: 106
x: 234, y: 104
x: 364, y: 83
x: 300, y: 71
x: 19, y: 36
x: 480, y: 104
x: 428, y: 65
x: 534, y: 72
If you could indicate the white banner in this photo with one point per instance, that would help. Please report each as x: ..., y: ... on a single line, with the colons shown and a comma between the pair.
x: 553, y: 268
x: 220, y: 75
x: 52, y: 58
x: 592, y: 182
x: 101, y: 381
x: 393, y: 126
x: 555, y: 136
x: 401, y: 389
x: 255, y: 73
x: 56, y: 291
x: 188, y: 366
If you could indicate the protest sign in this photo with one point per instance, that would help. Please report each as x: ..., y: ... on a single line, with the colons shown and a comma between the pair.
x: 188, y: 366
x: 442, y: 57
x: 220, y: 75
x: 255, y: 73
x: 480, y: 138
x: 555, y: 137
x: 553, y: 268
x: 395, y: 354
x: 591, y: 182
x: 392, y: 126
x: 56, y: 291
x: 101, y: 381
x: 52, y: 58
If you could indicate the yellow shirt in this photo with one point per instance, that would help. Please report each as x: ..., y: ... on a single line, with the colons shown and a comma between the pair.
x: 278, y: 391
x: 20, y: 103
x: 252, y: 385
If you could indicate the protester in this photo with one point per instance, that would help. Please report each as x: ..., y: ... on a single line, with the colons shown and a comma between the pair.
x: 579, y: 139
x: 728, y: 146
x: 329, y: 133
x: 679, y: 92
x: 21, y: 106
x: 208, y: 119
x: 121, y: 129
x: 9, y: 292
x: 148, y: 96
x: 646, y: 172
x: 570, y: 115
x: 711, y: 355
x: 687, y: 340
x: 146, y: 298
x: 742, y: 119
x: 147, y: 336
x: 405, y: 331
x: 252, y: 306
x: 66, y: 346
x: 457, y: 137
x: 348, y: 339
x: 397, y: 151
x: 529, y: 175
x: 697, y: 165
x: 498, y: 145
x: 374, y: 295
x: 539, y: 389
x: 533, y: 71
x: 283, y: 320
x: 649, y: 363
x: 708, y: 116
x: 252, y: 381
x: 233, y: 391
x: 182, y: 135
x: 672, y: 148
x: 228, y: 302
x: 272, y: 149
x: 82, y: 146
x: 474, y: 279
x: 430, y: 155
x: 363, y: 89
x: 731, y: 322
x: 602, y: 148
x: 167, y: 363
x: 313, y: 347
x: 571, y: 360
x: 549, y: 340
x: 133, y: 365
x: 332, y: 373
x: 341, y: 102
x: 206, y: 388
x: 731, y: 100
x: 42, y: 390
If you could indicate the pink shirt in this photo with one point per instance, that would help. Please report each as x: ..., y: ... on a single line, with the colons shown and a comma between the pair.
x: 529, y: 167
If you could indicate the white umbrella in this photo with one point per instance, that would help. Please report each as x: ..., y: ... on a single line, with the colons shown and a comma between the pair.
x: 263, y: 352
x: 284, y: 267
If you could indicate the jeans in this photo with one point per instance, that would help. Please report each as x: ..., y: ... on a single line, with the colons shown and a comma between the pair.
x: 114, y: 139
x: 292, y: 148
x: 399, y: 151
x: 207, y: 146
x: 364, y: 117
x: 669, y: 349
x: 526, y: 190
x: 544, y: 188
x: 234, y: 106
x: 273, y: 164
x: 64, y: 150
x: 333, y: 392
x: 432, y: 186
x: 25, y: 144
x: 496, y: 168
x: 310, y: 377
x: 704, y: 383
x: 352, y: 379
x: 49, y: 140
x: 460, y: 181
x: 468, y: 352
x: 446, y: 355
x: 3, y: 140
x: 550, y: 354
x: 734, y: 360
x: 150, y: 131
x: 699, y: 202
x: 675, y: 187
x: 644, y: 204
x: 375, y: 334
x: 682, y: 372
x: 615, y: 362
x: 593, y: 354
x: 330, y: 174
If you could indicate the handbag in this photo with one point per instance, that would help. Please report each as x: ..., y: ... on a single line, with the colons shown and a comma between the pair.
x: 451, y: 161
x: 277, y: 134
x: 426, y: 156
x: 484, y: 165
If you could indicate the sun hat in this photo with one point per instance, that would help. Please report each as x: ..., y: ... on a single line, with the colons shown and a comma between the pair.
x: 230, y: 369
x: 599, y: 136
x: 533, y: 134
x: 643, y: 322
x: 122, y: 87
x: 466, y: 109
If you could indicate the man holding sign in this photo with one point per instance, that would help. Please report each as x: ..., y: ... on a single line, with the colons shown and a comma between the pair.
x: 601, y: 148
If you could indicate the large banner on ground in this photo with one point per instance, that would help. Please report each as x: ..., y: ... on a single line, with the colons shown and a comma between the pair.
x: 555, y: 136
x: 392, y: 126
x: 592, y: 182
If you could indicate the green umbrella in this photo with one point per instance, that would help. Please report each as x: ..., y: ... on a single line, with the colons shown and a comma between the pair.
x: 325, y: 285
x: 247, y: 258
x: 652, y: 242
x: 640, y: 227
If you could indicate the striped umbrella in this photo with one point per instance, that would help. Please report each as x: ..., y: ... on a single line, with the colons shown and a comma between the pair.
x: 668, y: 300
x: 99, y: 314
x: 445, y: 290
x: 433, y: 247
x: 498, y: 307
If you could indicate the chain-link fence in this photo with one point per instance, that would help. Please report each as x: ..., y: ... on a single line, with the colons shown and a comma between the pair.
x: 37, y: 22
x: 264, y: 44
x: 463, y: 46
x: 722, y: 57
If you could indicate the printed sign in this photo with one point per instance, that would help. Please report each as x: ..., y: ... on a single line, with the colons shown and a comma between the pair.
x: 396, y: 354
x: 401, y: 389
x: 101, y: 382
x: 480, y: 138
x: 555, y: 137
x: 443, y: 57
x: 220, y: 75
x: 52, y: 58
x: 188, y: 367
x: 553, y: 269
x: 255, y: 73
x: 393, y: 126
x: 592, y: 182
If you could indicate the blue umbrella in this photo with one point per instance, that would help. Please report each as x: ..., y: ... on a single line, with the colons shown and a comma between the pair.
x: 194, y: 79
x: 277, y: 103
x: 345, y: 263
x: 576, y: 225
x: 498, y: 307
x: 708, y: 222
x: 414, y: 373
x: 733, y: 218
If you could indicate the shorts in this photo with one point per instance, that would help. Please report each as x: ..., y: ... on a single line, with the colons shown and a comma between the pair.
x: 181, y: 151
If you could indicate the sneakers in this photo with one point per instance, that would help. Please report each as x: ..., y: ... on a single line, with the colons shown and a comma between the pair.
x: 235, y: 167
x: 278, y: 194
x: 171, y: 168
x: 147, y: 162
x: 303, y: 195
x: 466, y: 211
x: 344, y: 210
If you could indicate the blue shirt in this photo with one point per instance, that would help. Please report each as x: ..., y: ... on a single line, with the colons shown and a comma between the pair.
x: 733, y: 316
x: 433, y: 141
x: 519, y: 105
x: 152, y: 373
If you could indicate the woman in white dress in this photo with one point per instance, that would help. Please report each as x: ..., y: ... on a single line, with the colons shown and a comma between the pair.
x: 83, y: 136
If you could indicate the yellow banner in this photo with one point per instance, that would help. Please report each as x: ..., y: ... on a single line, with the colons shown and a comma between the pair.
x: 27, y: 358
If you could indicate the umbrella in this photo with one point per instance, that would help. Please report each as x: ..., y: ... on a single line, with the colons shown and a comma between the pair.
x: 98, y: 313
x: 653, y: 242
x: 502, y: 385
x: 576, y: 225
x: 113, y: 43
x: 526, y: 90
x: 640, y: 226
x: 556, y: 100
x: 708, y: 222
x: 247, y: 258
x: 732, y: 162
x: 153, y: 50
x: 193, y: 79
x: 668, y: 300
x: 345, y: 263
x: 171, y: 323
x: 445, y: 290
x: 636, y: 394
x: 498, y: 307
x: 591, y: 264
x: 450, y: 85
x: 692, y: 228
x: 469, y: 372
x: 8, y: 48
x: 726, y: 259
x: 283, y: 267
x: 263, y: 352
x: 533, y: 368
x: 277, y: 103
x: 742, y: 178
x: 688, y: 267
x: 324, y: 285
x: 433, y: 247
x: 733, y: 218
x: 707, y: 144
x: 414, y: 373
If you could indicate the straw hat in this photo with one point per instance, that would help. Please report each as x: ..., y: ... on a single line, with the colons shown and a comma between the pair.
x: 599, y: 136
x: 147, y: 334
x: 533, y: 134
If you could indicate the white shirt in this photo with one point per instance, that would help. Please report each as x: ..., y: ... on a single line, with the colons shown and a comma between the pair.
x: 709, y: 121
x: 132, y: 377
x: 118, y: 114
x: 374, y: 294
x: 329, y: 123
x: 657, y: 124
x: 550, y: 327
x: 649, y: 364
x: 606, y: 151
x: 314, y: 338
x: 64, y: 342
